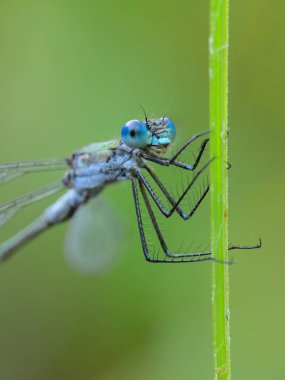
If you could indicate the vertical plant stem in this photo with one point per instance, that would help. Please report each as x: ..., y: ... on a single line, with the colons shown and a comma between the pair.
x: 218, y: 46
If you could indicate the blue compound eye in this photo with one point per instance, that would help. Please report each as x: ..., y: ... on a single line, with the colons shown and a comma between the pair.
x: 171, y: 127
x: 135, y: 134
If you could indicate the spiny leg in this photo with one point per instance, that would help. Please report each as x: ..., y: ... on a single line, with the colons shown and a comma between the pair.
x: 259, y: 245
x: 189, y: 142
x: 172, y: 161
x: 190, y: 257
x: 168, y: 196
x: 139, y: 219
x: 195, y: 257
x: 175, y: 204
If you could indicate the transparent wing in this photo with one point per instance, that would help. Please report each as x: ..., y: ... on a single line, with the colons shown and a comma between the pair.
x: 94, y: 237
x: 11, y: 170
x: 10, y: 209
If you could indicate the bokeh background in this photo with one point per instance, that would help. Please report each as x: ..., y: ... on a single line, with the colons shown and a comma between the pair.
x: 72, y: 73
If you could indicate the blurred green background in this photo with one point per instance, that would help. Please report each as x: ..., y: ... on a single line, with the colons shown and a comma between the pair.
x: 72, y: 73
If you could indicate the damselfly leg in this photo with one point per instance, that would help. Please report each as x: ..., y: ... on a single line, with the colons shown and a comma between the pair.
x: 172, y: 161
x: 170, y: 257
x: 145, y: 186
x: 175, y: 204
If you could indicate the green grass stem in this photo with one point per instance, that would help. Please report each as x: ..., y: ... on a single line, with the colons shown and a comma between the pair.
x: 218, y: 71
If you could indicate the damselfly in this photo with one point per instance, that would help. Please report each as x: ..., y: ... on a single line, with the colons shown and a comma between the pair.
x: 95, y: 166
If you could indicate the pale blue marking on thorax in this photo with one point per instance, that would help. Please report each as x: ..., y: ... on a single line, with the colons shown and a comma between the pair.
x: 96, y: 169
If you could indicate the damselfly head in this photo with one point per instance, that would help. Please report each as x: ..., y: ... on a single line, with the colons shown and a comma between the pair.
x: 155, y: 134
